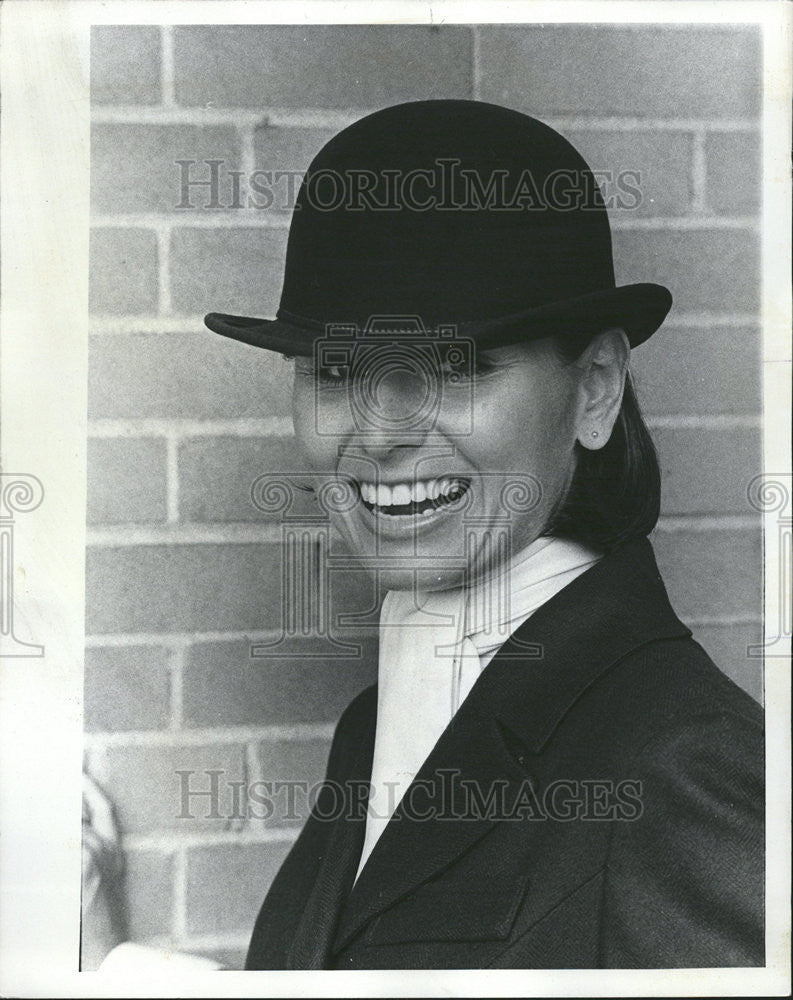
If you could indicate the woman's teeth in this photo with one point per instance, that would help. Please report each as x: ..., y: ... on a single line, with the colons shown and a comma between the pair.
x: 423, y: 497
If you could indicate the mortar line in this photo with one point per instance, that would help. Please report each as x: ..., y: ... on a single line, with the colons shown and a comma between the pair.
x: 176, y: 666
x: 230, y: 735
x: 181, y: 640
x: 172, y: 476
x: 328, y: 118
x: 704, y: 421
x: 163, y: 232
x: 168, y: 67
x: 225, y: 533
x: 248, y: 155
x: 476, y: 69
x: 180, y: 894
x: 166, y: 844
x: 699, y: 523
x: 180, y: 428
x: 193, y: 218
x: 251, y: 218
x: 107, y: 324
x: 699, y: 201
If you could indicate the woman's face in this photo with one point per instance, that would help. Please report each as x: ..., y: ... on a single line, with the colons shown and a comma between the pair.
x: 437, y: 487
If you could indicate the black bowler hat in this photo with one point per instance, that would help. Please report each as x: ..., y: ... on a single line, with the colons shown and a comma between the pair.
x: 460, y: 213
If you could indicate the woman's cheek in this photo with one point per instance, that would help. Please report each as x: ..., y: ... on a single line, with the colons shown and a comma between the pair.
x: 545, y: 450
x: 313, y: 447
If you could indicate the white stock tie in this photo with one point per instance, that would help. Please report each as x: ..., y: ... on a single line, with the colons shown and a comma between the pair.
x: 433, y: 647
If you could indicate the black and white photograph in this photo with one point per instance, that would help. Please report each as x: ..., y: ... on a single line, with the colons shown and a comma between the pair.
x: 396, y: 499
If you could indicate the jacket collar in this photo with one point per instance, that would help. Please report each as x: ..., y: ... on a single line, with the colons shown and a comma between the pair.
x: 602, y: 616
x: 524, y: 692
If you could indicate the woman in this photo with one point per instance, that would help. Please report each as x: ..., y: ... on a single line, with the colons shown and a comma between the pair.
x: 560, y: 776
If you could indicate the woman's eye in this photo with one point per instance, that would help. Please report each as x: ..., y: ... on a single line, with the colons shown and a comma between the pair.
x: 454, y: 371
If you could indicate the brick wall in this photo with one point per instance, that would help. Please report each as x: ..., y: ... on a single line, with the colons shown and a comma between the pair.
x: 182, y: 571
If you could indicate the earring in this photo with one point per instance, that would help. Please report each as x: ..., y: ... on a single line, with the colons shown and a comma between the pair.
x: 594, y: 434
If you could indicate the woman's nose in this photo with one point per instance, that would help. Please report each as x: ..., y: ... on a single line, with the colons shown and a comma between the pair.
x: 395, y: 406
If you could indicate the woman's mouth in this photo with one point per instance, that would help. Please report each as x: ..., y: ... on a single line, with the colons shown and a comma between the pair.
x: 423, y: 497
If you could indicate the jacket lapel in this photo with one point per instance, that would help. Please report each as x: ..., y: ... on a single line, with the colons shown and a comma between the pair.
x: 470, y: 753
x: 313, y: 938
x: 516, y: 703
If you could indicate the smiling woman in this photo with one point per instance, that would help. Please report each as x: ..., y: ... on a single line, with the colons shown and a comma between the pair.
x: 463, y: 370
x: 550, y: 771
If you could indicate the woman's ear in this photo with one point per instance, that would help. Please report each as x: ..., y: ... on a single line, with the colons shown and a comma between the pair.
x: 604, y: 366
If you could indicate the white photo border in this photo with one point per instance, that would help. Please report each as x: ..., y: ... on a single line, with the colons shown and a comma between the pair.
x: 44, y: 333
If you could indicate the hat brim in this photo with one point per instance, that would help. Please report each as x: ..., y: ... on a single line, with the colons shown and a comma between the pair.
x: 638, y: 309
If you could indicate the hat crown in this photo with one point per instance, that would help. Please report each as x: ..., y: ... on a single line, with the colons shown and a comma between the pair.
x: 455, y: 211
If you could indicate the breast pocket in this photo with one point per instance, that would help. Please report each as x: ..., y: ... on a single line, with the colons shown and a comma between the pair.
x: 454, y: 909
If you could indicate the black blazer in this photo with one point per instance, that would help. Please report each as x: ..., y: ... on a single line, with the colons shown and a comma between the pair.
x: 625, y: 776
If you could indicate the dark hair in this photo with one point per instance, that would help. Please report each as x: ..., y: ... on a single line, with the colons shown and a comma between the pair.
x: 615, y: 492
